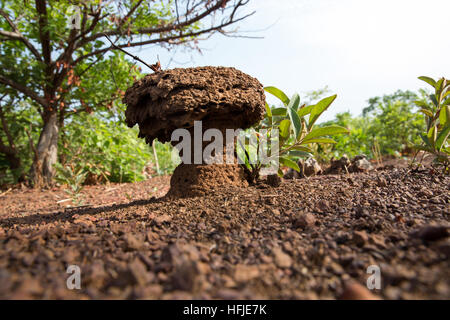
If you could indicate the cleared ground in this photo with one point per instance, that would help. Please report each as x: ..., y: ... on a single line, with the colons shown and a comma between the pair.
x: 302, y: 240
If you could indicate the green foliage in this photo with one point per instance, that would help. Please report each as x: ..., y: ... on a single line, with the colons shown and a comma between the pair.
x: 74, y: 179
x: 437, y: 115
x: 105, y: 149
x: 63, y: 70
x: 164, y: 155
x: 297, y: 130
x: 389, y: 124
x: 21, y: 119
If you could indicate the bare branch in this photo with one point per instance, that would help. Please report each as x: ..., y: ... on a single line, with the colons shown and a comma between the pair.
x: 170, y: 27
x: 134, y: 57
x: 159, y: 40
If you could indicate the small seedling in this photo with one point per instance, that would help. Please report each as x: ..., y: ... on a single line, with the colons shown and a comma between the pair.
x: 437, y: 115
x: 74, y: 179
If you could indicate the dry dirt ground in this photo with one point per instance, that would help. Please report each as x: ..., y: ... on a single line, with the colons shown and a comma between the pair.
x: 302, y: 240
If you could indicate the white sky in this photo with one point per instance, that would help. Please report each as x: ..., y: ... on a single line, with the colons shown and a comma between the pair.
x: 359, y: 48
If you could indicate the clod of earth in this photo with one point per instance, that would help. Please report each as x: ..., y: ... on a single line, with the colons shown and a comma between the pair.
x: 357, y: 164
x: 308, y: 167
x: 221, y: 97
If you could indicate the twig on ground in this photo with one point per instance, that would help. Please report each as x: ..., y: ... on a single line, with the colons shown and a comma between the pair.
x: 2, y: 194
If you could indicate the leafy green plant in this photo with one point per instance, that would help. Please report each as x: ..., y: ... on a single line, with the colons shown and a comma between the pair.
x: 389, y: 126
x: 74, y: 179
x: 437, y: 115
x: 297, y: 131
x: 105, y: 149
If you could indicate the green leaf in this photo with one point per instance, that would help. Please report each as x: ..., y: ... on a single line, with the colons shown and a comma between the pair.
x: 325, y: 131
x: 278, y: 93
x: 279, y: 112
x: 298, y: 153
x: 444, y: 116
x: 319, y: 140
x: 319, y: 108
x: 268, y: 111
x: 294, y: 103
x: 428, y: 113
x: 426, y: 140
x: 424, y: 148
x: 432, y: 135
x: 280, y: 173
x: 428, y: 80
x: 284, y: 128
x: 303, y: 148
x: 439, y: 86
x: 446, y: 101
x: 295, y: 120
x: 433, y: 99
x: 421, y: 103
x: 289, y: 163
x: 304, y: 111
x: 442, y: 137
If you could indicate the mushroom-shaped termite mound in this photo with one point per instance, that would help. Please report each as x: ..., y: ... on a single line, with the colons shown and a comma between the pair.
x: 197, y: 99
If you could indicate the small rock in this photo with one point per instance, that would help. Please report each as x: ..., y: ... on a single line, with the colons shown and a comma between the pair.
x: 338, y: 166
x: 275, y: 211
x: 228, y: 294
x: 244, y: 273
x: 139, y: 272
x: 425, y: 193
x: 378, y: 240
x: 355, y: 291
x: 133, y: 242
x: 281, y: 259
x: 165, y: 218
x: 304, y: 221
x: 341, y: 237
x: 323, y: 206
x: 273, y: 180
x: 361, y: 212
x: 309, y: 167
x: 291, y: 174
x: 176, y: 254
x: 431, y: 233
x: 188, y: 277
x: 381, y: 182
x: 360, y: 164
x: 360, y: 238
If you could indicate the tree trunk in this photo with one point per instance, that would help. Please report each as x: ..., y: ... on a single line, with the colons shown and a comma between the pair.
x: 46, y: 153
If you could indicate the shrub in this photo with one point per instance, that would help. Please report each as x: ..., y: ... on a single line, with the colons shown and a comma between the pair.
x: 389, y: 124
x: 437, y: 115
x: 107, y: 150
x: 297, y: 131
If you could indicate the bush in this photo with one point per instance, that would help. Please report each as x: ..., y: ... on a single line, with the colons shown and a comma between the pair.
x: 389, y: 125
x: 295, y: 123
x: 106, y: 150
x: 437, y: 114
x: 21, y: 122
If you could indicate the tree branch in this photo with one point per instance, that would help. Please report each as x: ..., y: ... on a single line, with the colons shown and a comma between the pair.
x: 24, y: 90
x: 41, y: 8
x: 158, y: 40
x: 134, y: 57
x: 17, y: 35
x: 170, y: 27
